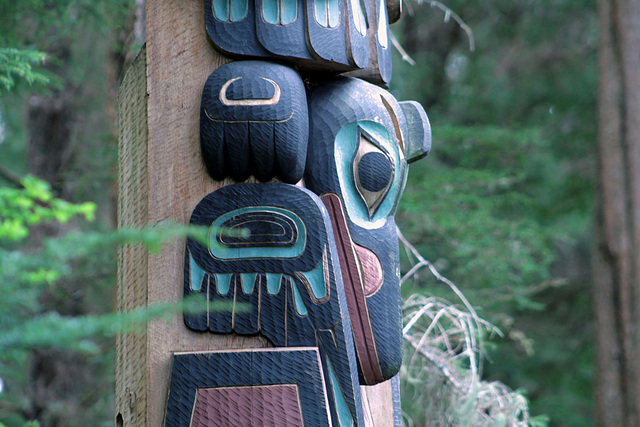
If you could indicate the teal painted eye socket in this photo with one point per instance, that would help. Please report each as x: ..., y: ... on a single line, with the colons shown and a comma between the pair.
x: 371, y: 171
x: 230, y: 10
x: 271, y: 233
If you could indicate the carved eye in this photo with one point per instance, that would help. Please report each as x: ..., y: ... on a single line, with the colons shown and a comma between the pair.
x: 372, y: 171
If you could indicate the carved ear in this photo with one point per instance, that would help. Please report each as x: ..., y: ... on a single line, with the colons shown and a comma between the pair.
x: 418, y: 142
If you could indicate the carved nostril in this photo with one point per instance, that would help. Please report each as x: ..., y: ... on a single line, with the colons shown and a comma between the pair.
x: 371, y: 270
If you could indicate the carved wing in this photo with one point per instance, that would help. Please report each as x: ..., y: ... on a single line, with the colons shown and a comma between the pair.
x: 283, y: 267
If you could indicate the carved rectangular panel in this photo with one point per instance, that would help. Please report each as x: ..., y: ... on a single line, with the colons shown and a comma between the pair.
x: 271, y: 387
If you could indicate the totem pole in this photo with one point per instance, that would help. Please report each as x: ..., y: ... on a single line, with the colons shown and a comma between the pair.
x: 315, y: 153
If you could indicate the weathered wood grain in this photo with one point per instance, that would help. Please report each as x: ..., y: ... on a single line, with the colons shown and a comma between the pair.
x: 133, y: 211
x: 161, y: 178
x: 376, y: 415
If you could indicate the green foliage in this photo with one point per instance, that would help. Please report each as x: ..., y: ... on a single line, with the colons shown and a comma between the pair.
x: 27, y: 424
x: 33, y: 204
x: 60, y: 288
x: 473, y: 221
x: 17, y: 63
x: 503, y: 205
x: 31, y: 28
x: 32, y: 313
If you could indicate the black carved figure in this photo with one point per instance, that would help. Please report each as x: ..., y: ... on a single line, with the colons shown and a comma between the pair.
x: 336, y: 35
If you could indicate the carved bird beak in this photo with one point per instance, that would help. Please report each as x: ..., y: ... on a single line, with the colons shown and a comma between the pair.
x: 362, y: 275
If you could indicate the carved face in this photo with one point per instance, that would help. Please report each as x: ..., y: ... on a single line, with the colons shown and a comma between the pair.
x: 360, y: 141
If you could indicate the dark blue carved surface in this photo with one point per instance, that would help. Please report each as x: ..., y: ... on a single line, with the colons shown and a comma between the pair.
x: 357, y: 126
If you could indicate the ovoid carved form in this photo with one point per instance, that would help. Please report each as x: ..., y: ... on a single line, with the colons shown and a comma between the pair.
x: 254, y: 121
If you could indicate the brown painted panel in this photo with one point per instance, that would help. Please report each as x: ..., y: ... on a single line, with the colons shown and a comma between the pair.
x: 269, y: 406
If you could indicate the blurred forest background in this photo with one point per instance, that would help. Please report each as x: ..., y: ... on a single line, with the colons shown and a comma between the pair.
x: 504, y: 205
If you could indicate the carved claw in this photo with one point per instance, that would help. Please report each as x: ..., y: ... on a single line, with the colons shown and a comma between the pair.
x: 254, y: 121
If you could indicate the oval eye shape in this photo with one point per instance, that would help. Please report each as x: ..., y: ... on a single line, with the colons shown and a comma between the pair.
x: 374, y: 172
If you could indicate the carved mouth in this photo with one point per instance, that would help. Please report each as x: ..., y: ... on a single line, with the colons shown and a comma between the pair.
x: 362, y: 276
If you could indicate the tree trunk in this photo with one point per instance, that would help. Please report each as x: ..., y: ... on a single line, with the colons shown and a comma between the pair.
x: 616, y: 265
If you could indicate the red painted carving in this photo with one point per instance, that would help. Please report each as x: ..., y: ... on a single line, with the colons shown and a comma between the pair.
x: 355, y: 292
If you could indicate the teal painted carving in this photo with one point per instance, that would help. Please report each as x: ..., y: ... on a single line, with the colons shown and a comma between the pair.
x: 280, y: 230
x: 279, y: 12
x: 356, y: 146
x: 326, y: 13
x: 330, y: 35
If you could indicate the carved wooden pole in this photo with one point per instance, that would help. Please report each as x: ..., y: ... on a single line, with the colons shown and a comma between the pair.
x: 318, y: 269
